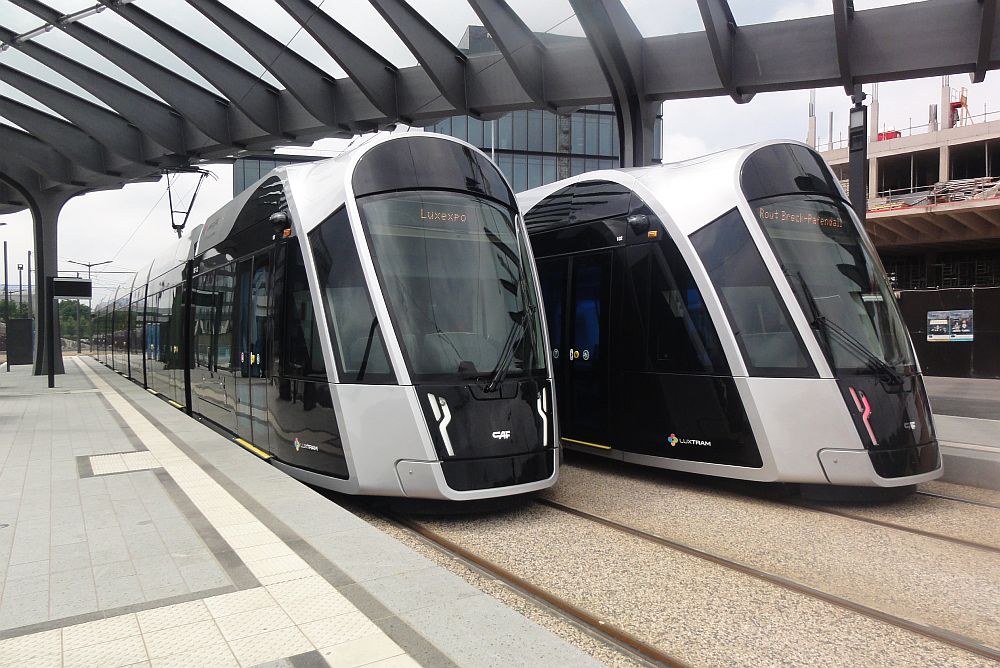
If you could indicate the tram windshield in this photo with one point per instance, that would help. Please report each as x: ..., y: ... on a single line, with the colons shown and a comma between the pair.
x: 456, y: 275
x: 841, y: 287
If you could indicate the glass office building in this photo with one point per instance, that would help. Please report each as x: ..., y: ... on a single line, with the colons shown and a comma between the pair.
x: 538, y: 147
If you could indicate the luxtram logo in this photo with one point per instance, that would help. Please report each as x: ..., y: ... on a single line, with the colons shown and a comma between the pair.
x: 306, y: 446
x: 674, y: 441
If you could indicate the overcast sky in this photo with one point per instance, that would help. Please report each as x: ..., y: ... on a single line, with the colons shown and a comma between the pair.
x: 130, y: 225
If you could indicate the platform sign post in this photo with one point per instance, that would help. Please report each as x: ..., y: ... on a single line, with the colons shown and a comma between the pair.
x: 78, y: 288
x: 858, y: 146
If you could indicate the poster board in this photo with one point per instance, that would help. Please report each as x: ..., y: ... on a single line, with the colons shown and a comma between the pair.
x: 950, y: 326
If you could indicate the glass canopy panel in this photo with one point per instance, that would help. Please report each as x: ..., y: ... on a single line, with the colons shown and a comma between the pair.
x: 70, y: 6
x: 18, y: 20
x: 367, y: 25
x: 194, y: 24
x: 750, y: 12
x: 282, y: 27
x: 451, y: 18
x: 59, y: 41
x: 118, y: 29
x: 653, y: 19
x: 552, y: 17
x: 28, y: 65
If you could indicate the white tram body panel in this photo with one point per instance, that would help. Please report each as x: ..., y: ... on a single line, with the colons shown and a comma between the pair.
x: 803, y: 428
x: 335, y: 373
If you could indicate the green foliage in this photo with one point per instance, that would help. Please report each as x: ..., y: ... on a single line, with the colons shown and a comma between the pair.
x: 67, y: 319
x: 16, y: 310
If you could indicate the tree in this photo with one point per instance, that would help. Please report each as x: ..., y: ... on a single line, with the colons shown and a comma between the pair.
x: 67, y: 319
x: 16, y: 310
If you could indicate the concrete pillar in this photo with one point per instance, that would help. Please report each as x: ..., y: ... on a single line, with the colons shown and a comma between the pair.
x: 873, y: 120
x: 945, y: 103
x: 944, y: 167
x: 872, y: 176
x: 45, y: 209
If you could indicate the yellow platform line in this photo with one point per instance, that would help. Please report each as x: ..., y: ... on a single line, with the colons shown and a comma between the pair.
x: 152, y: 391
x: 593, y: 445
x: 174, y: 403
x: 252, y: 448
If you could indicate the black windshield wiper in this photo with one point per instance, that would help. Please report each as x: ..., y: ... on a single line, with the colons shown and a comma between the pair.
x: 874, y: 361
x: 507, y: 352
x: 824, y: 324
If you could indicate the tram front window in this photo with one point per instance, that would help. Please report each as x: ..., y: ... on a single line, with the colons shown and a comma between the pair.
x: 838, y: 283
x: 453, y: 271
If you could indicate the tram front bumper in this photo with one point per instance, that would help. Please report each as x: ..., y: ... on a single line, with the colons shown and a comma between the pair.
x: 427, y: 480
x: 854, y: 467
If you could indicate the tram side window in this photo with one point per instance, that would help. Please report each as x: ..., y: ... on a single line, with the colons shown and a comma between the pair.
x: 768, y: 341
x: 203, y: 302
x: 682, y: 338
x: 222, y: 348
x: 303, y: 354
x: 358, y: 345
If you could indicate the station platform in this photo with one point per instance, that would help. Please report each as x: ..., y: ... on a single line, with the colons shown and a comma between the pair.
x: 967, y: 417
x: 131, y: 534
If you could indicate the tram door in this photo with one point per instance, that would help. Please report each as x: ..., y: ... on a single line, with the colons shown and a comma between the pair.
x: 252, y: 292
x: 577, y: 295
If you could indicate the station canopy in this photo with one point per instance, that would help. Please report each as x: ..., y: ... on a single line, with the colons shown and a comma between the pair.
x: 93, y: 96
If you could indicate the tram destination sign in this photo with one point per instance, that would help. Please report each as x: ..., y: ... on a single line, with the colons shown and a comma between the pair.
x: 79, y: 288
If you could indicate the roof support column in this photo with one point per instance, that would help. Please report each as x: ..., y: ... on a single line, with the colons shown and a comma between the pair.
x: 45, y: 209
x: 618, y: 46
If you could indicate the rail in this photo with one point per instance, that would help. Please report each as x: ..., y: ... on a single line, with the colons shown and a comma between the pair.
x: 956, y: 190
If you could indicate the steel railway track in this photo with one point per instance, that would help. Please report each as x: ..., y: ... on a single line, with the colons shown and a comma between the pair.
x: 604, y: 630
x: 940, y: 635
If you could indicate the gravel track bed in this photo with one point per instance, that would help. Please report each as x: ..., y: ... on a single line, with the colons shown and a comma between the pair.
x: 921, y: 579
x: 702, y: 613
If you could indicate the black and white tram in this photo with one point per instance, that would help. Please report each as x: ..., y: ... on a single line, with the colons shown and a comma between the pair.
x: 728, y: 316
x: 370, y: 324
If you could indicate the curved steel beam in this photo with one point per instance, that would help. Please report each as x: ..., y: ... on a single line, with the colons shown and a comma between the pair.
x: 986, y: 32
x: 208, y: 112
x: 263, y: 104
x: 163, y: 125
x: 63, y: 137
x: 308, y: 83
x: 42, y: 158
x: 722, y: 33
x: 442, y: 60
x: 520, y: 47
x: 618, y: 46
x: 374, y: 75
x: 107, y: 127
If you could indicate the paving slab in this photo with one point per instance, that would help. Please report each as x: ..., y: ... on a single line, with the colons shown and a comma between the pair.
x: 132, y: 533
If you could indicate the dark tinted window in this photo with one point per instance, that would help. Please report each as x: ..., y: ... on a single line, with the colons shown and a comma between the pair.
x: 764, y: 331
x: 578, y: 203
x: 303, y: 354
x: 599, y: 199
x: 203, y: 317
x: 428, y: 162
x: 357, y: 338
x: 682, y: 337
x: 786, y: 169
x: 253, y: 229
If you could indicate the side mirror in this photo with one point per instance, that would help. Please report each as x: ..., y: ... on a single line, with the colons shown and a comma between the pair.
x: 638, y: 222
